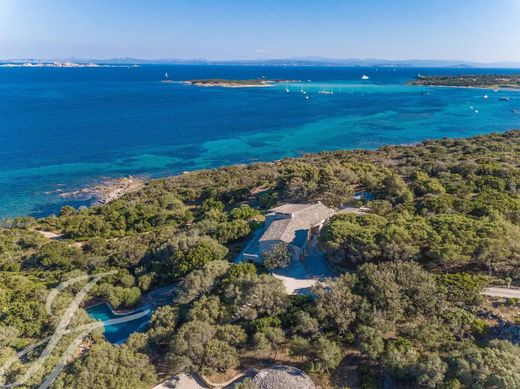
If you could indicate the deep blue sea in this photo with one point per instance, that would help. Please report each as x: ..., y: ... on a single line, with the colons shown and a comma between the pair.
x: 67, y: 128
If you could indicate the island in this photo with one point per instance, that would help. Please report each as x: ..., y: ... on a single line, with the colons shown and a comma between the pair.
x: 38, y: 64
x: 491, y: 81
x: 249, y: 83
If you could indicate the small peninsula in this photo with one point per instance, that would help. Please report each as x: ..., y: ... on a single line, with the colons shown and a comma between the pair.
x: 491, y: 81
x: 108, y: 190
x: 249, y: 83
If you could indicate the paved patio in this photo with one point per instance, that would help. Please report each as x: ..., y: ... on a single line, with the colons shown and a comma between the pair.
x: 299, y: 277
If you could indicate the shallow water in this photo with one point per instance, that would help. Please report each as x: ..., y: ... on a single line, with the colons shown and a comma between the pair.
x: 63, y: 129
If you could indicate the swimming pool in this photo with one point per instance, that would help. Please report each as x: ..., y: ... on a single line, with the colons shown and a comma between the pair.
x: 118, y: 332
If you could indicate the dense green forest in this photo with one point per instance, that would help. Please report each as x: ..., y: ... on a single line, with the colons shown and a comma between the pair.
x: 406, y: 309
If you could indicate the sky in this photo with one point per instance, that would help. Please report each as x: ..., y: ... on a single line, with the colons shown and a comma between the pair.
x: 476, y: 30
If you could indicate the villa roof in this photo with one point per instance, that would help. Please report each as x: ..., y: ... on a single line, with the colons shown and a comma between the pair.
x: 277, y: 229
x: 317, y: 211
x: 289, y: 209
x: 293, y: 229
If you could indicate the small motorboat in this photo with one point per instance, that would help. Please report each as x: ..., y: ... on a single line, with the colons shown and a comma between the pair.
x: 364, y: 77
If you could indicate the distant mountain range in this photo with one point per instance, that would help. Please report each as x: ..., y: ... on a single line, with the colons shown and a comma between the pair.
x: 295, y: 61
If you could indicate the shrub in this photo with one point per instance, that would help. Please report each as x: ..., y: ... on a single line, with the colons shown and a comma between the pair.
x: 277, y: 256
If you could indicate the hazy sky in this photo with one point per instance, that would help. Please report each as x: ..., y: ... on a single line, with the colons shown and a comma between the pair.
x: 472, y: 30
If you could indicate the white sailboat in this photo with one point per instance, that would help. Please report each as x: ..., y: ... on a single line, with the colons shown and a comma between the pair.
x: 166, y: 79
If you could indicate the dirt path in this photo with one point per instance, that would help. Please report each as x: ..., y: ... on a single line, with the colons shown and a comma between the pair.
x: 501, y: 292
x: 50, y: 235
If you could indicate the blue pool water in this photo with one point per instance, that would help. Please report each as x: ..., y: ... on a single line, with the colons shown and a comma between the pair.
x: 63, y: 129
x: 118, y: 333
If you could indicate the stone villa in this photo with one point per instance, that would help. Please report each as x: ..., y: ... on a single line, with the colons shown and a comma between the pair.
x: 294, y: 224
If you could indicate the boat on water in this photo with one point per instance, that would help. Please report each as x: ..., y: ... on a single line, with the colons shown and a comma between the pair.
x: 364, y: 77
x: 306, y: 97
x: 166, y: 79
x: 485, y: 96
x: 287, y: 90
x: 503, y: 99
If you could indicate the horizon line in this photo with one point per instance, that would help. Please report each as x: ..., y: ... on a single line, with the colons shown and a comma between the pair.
x: 272, y: 59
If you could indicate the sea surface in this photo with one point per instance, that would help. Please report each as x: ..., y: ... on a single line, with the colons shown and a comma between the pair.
x: 62, y: 129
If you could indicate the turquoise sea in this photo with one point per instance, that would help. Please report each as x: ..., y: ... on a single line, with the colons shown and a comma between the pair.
x: 64, y: 129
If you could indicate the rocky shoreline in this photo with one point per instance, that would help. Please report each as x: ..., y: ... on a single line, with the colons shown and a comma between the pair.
x: 109, y: 190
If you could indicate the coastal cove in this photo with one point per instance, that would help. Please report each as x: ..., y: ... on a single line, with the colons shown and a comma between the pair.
x: 63, y: 129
